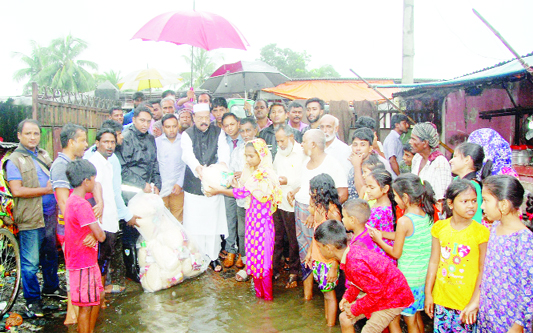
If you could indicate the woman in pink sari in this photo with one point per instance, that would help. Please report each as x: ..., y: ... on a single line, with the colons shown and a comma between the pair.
x: 260, y: 187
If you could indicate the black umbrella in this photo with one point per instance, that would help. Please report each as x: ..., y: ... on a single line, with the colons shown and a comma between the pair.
x: 243, y: 76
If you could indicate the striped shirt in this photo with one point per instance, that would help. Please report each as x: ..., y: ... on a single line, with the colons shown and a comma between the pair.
x: 416, y: 251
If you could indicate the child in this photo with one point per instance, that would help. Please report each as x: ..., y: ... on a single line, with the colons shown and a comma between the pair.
x: 505, y: 300
x: 362, y: 140
x: 412, y: 240
x: 262, y: 193
x: 407, y: 159
x: 385, y: 290
x: 378, y: 188
x: 466, y: 162
x: 82, y: 261
x: 324, y: 205
x: 456, y: 263
x: 355, y: 213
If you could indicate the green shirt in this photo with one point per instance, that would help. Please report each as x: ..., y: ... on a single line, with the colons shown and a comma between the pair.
x: 416, y: 251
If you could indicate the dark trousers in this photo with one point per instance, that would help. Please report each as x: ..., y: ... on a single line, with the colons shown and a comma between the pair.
x: 284, y: 224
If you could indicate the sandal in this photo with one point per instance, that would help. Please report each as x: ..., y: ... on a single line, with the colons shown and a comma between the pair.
x: 216, y: 265
x: 239, y: 264
x: 223, y: 254
x: 276, y: 276
x: 115, y: 289
x: 292, y: 282
x: 241, y: 276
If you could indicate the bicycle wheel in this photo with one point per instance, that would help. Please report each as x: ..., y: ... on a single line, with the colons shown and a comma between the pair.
x: 9, y: 270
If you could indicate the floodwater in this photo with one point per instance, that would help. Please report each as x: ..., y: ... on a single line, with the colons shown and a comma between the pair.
x: 212, y: 302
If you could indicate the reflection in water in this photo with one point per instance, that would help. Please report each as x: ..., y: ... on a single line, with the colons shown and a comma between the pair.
x: 209, y: 303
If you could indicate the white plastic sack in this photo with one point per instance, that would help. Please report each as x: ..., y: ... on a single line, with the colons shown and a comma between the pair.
x: 166, y: 256
x: 215, y: 175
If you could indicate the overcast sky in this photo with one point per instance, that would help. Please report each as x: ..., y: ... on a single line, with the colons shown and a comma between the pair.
x: 363, y: 35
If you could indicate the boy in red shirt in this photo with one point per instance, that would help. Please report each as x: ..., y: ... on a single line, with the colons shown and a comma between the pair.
x: 82, y: 260
x: 385, y: 290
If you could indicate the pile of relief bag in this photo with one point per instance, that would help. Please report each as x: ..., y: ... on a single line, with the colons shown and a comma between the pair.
x: 166, y: 256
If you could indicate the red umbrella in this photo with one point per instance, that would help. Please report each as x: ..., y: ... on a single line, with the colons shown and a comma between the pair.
x: 201, y: 29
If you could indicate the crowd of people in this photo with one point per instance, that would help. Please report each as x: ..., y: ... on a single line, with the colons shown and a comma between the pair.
x: 407, y: 236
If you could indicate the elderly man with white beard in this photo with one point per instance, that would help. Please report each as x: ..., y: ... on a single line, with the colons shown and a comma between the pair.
x: 335, y: 147
x: 288, y: 166
x: 204, y: 217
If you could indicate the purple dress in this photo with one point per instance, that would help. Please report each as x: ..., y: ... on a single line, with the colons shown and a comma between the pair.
x: 507, y: 285
x: 258, y: 235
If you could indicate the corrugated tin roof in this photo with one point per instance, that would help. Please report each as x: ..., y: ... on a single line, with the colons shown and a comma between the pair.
x: 509, y: 70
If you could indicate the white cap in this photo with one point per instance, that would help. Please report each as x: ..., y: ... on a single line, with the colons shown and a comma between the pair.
x: 201, y: 107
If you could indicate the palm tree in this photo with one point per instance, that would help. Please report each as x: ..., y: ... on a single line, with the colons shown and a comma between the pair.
x: 203, y: 66
x: 111, y: 76
x: 63, y: 70
x: 36, y: 61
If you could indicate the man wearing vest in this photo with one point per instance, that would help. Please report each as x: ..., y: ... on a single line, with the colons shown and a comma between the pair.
x: 204, y: 217
x: 35, y: 213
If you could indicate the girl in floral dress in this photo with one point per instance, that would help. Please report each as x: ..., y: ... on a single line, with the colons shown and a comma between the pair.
x: 262, y: 192
x: 506, y: 296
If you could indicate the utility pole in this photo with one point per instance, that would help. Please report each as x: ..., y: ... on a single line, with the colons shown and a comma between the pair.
x: 408, y: 45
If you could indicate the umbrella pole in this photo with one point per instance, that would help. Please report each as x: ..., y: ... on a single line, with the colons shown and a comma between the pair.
x: 192, y: 63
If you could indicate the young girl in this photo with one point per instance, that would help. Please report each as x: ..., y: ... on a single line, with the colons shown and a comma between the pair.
x: 467, y: 161
x: 456, y: 264
x: 378, y: 189
x: 505, y: 301
x: 412, y: 240
x: 324, y: 205
x: 262, y: 193
x: 368, y: 165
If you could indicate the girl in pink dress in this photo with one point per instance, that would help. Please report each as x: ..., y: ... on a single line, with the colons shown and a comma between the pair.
x: 260, y: 187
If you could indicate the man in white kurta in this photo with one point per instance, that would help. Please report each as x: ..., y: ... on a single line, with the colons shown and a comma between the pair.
x: 204, y: 218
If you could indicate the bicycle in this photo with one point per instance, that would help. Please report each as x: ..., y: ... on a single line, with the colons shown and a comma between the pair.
x: 10, y: 270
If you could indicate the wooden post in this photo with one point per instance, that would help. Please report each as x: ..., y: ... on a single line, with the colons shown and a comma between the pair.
x: 34, y: 102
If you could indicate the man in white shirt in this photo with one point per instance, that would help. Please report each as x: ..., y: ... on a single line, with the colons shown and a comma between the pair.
x: 393, y: 146
x: 313, y: 144
x: 171, y: 166
x: 204, y: 217
x: 235, y: 212
x: 105, y: 147
x: 288, y: 166
x: 335, y: 147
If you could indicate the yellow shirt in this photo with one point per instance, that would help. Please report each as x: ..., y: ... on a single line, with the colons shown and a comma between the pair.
x: 458, y: 263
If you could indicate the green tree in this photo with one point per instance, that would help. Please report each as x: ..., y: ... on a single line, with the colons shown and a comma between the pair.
x: 291, y: 63
x: 324, y: 71
x: 64, y: 70
x: 294, y: 64
x: 204, y: 65
x: 57, y: 65
x: 35, y: 62
x: 111, y: 76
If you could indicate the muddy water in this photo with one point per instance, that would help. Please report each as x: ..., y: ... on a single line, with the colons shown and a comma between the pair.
x: 209, y: 303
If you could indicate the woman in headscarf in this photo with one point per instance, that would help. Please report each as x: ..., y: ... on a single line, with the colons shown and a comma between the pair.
x: 259, y: 185
x: 429, y: 163
x: 496, y: 149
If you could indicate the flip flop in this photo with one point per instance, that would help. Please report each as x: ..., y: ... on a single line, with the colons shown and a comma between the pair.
x: 116, y: 289
x: 292, y: 282
x: 241, y: 276
x: 216, y: 265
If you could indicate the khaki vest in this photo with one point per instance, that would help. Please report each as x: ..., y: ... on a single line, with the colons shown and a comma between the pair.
x: 28, y: 212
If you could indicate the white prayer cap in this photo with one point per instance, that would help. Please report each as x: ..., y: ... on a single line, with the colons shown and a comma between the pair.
x: 201, y: 107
